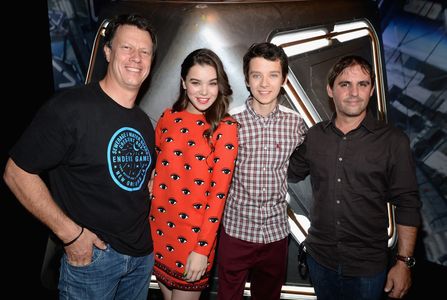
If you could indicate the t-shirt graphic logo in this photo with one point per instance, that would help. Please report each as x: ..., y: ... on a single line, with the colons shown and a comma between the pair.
x: 128, y: 158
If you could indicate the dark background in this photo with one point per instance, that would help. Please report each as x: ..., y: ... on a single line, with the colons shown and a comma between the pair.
x: 27, y: 66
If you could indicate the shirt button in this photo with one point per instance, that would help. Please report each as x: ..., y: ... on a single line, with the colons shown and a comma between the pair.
x: 263, y: 189
x: 265, y: 148
x: 264, y: 169
x: 344, y: 138
x: 338, y: 201
x: 338, y: 222
x: 340, y: 158
x: 338, y: 179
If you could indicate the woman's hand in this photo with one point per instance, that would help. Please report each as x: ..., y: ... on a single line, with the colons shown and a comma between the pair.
x: 196, y: 265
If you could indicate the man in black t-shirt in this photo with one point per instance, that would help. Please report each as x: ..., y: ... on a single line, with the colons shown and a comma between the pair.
x: 98, y: 149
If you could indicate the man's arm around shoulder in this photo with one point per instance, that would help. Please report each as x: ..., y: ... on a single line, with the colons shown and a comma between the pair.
x: 298, y: 165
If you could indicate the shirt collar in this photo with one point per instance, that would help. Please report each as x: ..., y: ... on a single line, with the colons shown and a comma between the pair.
x: 274, y: 114
x: 370, y: 123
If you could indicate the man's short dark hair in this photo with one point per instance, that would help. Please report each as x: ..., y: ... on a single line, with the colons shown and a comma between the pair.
x: 129, y: 19
x: 267, y: 51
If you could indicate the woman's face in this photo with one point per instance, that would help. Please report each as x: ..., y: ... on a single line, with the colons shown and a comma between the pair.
x: 201, y: 88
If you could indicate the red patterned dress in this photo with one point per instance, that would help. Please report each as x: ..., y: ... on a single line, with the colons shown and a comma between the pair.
x: 190, y: 189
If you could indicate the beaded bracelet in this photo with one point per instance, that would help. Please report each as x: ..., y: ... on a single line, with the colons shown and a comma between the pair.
x: 73, y: 240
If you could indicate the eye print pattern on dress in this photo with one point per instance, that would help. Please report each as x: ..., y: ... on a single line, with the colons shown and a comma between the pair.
x: 190, y: 184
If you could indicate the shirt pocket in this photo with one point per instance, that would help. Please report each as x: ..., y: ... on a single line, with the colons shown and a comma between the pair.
x: 280, y: 151
x: 321, y: 165
x: 368, y: 205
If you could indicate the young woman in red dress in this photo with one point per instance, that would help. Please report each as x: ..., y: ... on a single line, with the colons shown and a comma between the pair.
x: 197, y: 146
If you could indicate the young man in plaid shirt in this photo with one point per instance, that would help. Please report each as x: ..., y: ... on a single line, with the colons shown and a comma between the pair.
x: 254, y: 239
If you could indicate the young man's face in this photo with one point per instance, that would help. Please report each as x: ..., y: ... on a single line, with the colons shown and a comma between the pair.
x: 351, y: 92
x: 265, y: 79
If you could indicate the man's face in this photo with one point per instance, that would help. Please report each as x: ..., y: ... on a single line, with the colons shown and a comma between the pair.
x: 351, y: 92
x: 130, y: 56
x: 265, y: 79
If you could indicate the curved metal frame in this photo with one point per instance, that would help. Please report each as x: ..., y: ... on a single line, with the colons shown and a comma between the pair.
x: 96, y: 42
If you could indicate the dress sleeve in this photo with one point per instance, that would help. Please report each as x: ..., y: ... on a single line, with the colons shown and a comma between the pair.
x: 158, y: 132
x: 225, y: 153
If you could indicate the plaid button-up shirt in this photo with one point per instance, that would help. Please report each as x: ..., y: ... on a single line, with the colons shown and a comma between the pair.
x: 256, y: 207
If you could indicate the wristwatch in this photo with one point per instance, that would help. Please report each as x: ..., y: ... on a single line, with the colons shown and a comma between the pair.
x: 410, y: 261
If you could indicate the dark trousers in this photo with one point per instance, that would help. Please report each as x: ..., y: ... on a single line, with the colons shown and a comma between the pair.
x: 333, y: 285
x: 264, y: 265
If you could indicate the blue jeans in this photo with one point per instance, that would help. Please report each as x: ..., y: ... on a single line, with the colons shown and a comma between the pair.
x: 333, y: 285
x: 110, y: 275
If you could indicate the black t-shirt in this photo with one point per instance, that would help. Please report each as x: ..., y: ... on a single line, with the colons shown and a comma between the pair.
x: 99, y: 156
